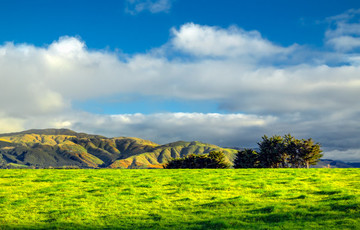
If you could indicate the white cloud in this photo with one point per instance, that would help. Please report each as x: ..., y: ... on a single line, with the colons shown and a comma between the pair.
x: 68, y: 47
x: 23, y: 90
x: 344, y: 35
x: 154, y: 6
x: 217, y: 42
x: 9, y: 124
x: 46, y: 80
x: 344, y: 43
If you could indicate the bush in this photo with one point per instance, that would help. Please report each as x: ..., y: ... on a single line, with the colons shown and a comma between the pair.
x: 214, y: 159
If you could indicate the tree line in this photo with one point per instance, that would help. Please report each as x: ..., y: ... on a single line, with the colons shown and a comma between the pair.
x: 274, y: 152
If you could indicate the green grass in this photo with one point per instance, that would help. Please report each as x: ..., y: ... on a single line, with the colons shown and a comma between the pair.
x: 180, y: 199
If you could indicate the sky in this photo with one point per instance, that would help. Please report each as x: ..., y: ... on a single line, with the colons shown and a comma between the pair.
x: 221, y: 72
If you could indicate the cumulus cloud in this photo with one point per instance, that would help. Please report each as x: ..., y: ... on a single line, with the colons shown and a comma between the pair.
x: 23, y: 88
x: 344, y: 33
x: 154, y: 6
x: 217, y: 42
x: 10, y: 124
x: 39, y: 86
x: 344, y: 43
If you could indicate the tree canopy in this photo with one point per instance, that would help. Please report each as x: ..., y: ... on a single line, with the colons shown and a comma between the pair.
x: 280, y: 152
x: 215, y: 159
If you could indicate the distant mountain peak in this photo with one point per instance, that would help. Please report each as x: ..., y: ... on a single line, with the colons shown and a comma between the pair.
x: 51, y: 131
x: 43, y: 132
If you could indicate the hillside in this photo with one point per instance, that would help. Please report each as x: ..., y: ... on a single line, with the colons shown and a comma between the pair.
x: 161, y: 154
x: 63, y: 148
x: 326, y: 163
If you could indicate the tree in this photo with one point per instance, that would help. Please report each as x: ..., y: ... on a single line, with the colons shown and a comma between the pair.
x: 292, y: 148
x: 272, y: 152
x: 214, y: 159
x: 280, y: 152
x: 217, y: 160
x: 246, y: 158
x: 309, y: 152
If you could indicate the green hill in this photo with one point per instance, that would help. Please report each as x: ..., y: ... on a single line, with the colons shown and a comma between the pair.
x: 161, y: 154
x: 63, y: 148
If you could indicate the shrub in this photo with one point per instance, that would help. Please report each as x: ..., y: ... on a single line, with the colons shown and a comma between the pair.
x: 214, y: 159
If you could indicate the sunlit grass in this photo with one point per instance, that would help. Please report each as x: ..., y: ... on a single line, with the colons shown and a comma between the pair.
x: 181, y: 199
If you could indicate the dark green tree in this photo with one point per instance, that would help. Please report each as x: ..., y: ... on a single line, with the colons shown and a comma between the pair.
x: 246, y: 158
x: 292, y: 151
x: 280, y: 152
x: 302, y: 153
x: 272, y: 152
x: 310, y: 152
x: 214, y: 159
x: 217, y: 160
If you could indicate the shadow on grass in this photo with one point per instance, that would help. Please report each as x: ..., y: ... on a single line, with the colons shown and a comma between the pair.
x: 268, y: 209
x: 264, y: 218
x: 327, y: 192
x: 232, y: 202
x: 346, y: 207
x: 301, y: 217
x: 211, y: 224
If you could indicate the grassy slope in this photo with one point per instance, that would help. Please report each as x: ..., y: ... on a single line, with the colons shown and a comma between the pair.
x: 58, y: 148
x: 179, y: 199
x: 162, y: 154
x: 49, y: 150
x: 77, y: 149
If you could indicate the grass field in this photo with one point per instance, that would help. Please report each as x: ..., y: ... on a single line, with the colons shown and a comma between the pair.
x: 180, y: 199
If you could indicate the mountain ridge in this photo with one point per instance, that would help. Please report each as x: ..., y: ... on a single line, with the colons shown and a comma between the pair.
x: 65, y: 148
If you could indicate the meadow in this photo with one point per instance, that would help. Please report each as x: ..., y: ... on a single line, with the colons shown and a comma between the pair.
x: 180, y: 199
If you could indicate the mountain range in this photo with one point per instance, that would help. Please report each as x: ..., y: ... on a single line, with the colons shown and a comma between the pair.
x: 64, y: 148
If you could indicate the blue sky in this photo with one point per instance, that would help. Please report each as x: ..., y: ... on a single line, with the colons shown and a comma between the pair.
x: 106, y: 24
x: 224, y: 72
